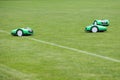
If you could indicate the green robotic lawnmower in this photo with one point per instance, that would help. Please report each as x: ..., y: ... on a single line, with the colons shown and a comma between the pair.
x: 22, y: 31
x: 98, y: 26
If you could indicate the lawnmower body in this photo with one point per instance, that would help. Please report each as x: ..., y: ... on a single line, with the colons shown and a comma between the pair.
x: 22, y: 32
x: 98, y: 26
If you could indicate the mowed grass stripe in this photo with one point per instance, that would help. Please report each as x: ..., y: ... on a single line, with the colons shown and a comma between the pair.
x: 15, y: 73
x: 69, y: 48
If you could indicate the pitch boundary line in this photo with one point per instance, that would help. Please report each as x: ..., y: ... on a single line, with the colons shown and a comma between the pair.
x: 70, y: 48
x: 74, y: 49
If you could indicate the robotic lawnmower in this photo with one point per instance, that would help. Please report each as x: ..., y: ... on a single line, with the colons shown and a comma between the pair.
x: 98, y: 26
x: 22, y: 32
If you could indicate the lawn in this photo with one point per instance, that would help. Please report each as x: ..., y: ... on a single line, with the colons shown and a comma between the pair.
x: 61, y: 22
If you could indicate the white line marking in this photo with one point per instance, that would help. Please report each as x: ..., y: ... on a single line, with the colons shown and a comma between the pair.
x: 4, y: 31
x: 72, y: 49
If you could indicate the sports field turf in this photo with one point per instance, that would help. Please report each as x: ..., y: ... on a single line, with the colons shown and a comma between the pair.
x: 60, y: 49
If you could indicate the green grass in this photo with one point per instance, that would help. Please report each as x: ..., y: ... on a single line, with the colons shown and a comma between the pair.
x: 61, y: 22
